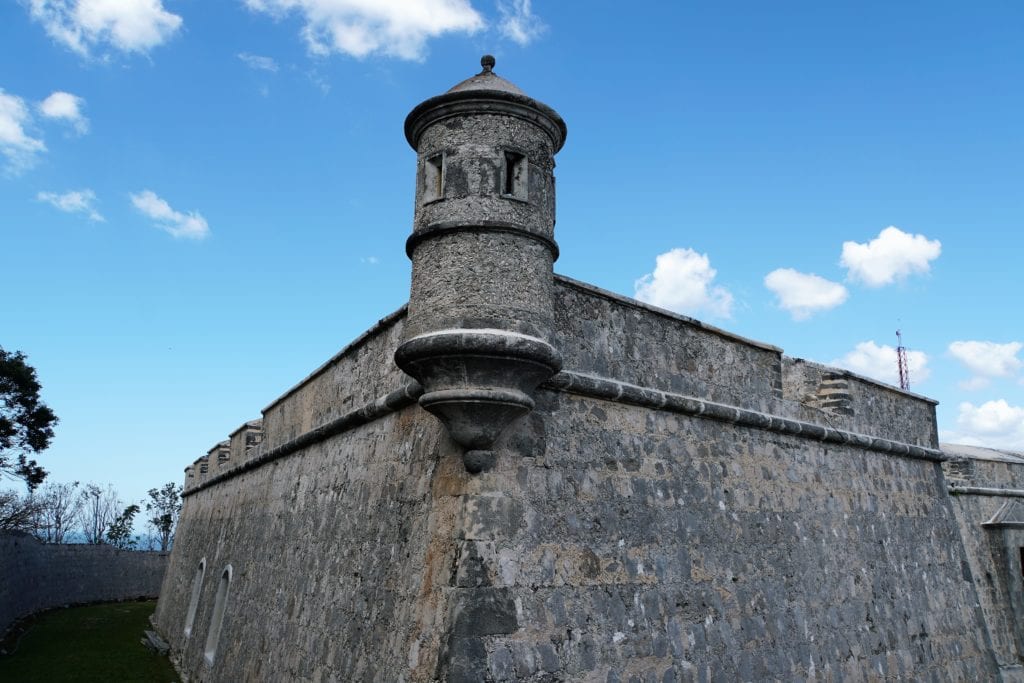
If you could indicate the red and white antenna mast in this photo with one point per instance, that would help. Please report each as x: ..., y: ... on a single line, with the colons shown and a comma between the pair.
x: 901, y: 362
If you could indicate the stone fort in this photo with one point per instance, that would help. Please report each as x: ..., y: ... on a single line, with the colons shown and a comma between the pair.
x: 522, y: 477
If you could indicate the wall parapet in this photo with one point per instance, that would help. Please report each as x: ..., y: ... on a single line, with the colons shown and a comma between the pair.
x: 593, y: 387
x: 594, y: 290
x: 622, y: 392
x: 374, y: 410
x: 351, y: 347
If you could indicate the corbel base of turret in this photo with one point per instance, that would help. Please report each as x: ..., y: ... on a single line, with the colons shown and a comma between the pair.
x: 477, y: 382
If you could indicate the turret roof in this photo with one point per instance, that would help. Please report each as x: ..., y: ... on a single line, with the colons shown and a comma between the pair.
x: 487, y: 80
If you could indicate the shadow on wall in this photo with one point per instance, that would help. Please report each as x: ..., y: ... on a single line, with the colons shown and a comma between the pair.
x: 39, y: 576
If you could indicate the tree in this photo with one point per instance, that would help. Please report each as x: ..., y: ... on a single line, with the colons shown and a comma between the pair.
x: 26, y: 423
x: 17, y: 513
x: 163, y: 508
x: 119, y: 533
x: 58, y: 509
x: 99, y: 509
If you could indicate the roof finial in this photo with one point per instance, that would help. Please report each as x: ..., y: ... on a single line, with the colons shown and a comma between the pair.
x: 487, y: 62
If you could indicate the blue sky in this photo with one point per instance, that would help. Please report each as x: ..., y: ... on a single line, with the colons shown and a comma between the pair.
x: 203, y: 201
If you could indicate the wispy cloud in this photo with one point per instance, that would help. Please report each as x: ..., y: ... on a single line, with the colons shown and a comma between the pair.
x: 893, y: 255
x: 683, y: 281
x: 395, y: 28
x: 879, y: 362
x: 371, y: 260
x: 16, y: 145
x: 318, y: 80
x: 126, y: 25
x: 518, y: 22
x: 63, y: 106
x: 189, y: 226
x: 258, y: 63
x: 804, y: 294
x: 76, y: 201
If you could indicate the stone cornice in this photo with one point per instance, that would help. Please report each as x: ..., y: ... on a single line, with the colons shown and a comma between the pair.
x: 619, y: 392
x: 470, y: 102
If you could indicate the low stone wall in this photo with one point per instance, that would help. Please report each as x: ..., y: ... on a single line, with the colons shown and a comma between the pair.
x: 36, y: 576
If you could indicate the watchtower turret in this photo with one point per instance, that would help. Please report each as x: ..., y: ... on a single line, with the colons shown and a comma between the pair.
x: 480, y: 310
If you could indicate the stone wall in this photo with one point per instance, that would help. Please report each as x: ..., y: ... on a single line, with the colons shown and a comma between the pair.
x: 333, y: 559
x: 992, y: 531
x: 36, y: 576
x: 707, y: 519
x: 345, y: 382
x: 638, y: 545
x: 601, y: 333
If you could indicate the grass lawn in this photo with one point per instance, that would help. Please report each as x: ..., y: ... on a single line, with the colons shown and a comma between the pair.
x: 90, y: 643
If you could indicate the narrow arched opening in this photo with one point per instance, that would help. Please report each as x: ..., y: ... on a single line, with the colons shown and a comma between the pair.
x: 217, y: 620
x: 193, y: 603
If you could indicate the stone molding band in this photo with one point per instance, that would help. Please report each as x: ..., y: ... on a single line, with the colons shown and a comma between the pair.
x: 369, y: 412
x: 621, y: 392
x: 985, y: 491
x: 448, y: 228
x: 467, y: 103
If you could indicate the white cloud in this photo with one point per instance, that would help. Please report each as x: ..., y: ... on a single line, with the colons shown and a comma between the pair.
x: 892, y: 256
x: 804, y: 294
x: 396, y: 28
x: 372, y: 260
x: 518, y: 23
x: 682, y: 282
x: 191, y: 225
x: 17, y: 146
x: 76, y: 201
x: 879, y: 362
x: 258, y: 63
x: 64, y: 106
x: 127, y: 25
x: 995, y: 424
x: 988, y: 359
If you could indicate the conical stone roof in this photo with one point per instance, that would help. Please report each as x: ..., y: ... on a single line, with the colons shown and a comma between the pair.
x: 487, y: 80
x: 484, y: 92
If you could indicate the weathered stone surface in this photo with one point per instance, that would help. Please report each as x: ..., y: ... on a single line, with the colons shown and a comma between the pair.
x: 993, y: 550
x: 630, y: 542
x: 677, y: 504
x: 480, y: 310
x: 346, y: 381
x: 36, y: 576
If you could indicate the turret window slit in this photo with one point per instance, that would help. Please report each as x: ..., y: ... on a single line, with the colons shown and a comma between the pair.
x: 433, y: 178
x: 514, y: 181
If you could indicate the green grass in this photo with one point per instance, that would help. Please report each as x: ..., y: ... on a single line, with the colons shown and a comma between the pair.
x: 89, y: 643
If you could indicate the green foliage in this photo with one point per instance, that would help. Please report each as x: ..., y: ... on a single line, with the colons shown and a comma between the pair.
x: 163, y: 506
x: 26, y: 423
x: 119, y: 533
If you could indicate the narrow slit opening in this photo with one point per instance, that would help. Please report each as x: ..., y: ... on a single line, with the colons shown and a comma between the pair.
x: 193, y: 603
x: 515, y: 175
x: 433, y: 178
x: 217, y: 619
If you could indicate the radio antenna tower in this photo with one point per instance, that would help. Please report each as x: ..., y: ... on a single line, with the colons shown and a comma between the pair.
x: 901, y: 362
